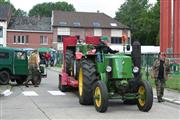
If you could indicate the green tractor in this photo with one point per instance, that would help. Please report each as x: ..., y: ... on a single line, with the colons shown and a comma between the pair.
x: 106, y: 76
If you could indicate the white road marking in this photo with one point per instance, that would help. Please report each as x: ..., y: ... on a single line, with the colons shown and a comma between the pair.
x: 55, y: 93
x: 7, y: 92
x: 30, y: 93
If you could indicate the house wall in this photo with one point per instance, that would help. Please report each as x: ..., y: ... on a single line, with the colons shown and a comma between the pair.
x: 83, y: 32
x: 33, y: 39
x: 3, y: 24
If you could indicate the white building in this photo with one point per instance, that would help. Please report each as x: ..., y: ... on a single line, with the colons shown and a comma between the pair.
x: 5, y: 13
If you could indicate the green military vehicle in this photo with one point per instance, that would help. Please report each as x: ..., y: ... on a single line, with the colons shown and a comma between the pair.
x: 14, y: 66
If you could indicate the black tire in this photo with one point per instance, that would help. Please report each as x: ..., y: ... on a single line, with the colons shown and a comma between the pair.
x: 20, y: 81
x: 86, y: 78
x: 69, y: 62
x: 100, y: 96
x: 145, y: 104
x: 61, y: 87
x: 36, y: 79
x: 4, y: 77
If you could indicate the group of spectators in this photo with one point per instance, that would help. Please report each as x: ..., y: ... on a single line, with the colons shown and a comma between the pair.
x: 47, y: 58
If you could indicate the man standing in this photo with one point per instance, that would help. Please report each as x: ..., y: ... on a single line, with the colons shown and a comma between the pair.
x: 33, y: 63
x: 160, y: 73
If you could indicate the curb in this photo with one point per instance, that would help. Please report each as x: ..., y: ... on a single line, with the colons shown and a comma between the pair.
x: 170, y: 100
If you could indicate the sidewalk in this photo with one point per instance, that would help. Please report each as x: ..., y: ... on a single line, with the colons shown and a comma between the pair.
x: 169, y: 96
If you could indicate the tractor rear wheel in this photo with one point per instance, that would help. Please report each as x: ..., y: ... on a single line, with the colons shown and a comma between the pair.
x: 69, y: 62
x: 86, y: 78
x: 4, y: 77
x: 145, y: 91
x: 100, y: 96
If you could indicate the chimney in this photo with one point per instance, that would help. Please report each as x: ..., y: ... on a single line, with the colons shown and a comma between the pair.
x: 98, y: 11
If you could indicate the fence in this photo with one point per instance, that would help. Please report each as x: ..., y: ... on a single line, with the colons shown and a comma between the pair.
x: 148, y: 59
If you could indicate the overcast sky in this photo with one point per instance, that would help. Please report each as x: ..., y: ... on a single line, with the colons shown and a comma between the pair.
x: 108, y: 7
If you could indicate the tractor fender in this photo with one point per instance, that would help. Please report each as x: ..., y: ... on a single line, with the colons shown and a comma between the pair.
x: 64, y: 78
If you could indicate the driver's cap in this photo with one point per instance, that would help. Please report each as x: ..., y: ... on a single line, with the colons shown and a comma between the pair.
x: 104, y: 38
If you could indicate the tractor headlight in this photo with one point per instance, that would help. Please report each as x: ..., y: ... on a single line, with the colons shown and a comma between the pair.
x: 108, y: 68
x: 135, y: 69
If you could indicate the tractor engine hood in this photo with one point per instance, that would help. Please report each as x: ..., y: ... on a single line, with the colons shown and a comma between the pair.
x: 118, y: 66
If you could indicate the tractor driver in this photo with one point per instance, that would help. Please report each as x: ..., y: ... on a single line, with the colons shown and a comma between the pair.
x: 103, y: 47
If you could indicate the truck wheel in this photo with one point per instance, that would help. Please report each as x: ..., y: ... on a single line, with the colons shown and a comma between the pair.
x: 4, y: 77
x: 21, y: 80
x: 87, y: 77
x: 100, y: 96
x: 145, y: 91
x: 37, y: 79
x: 69, y: 62
x: 60, y: 86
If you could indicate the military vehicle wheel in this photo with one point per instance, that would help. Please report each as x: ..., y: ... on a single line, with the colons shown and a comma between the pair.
x: 100, y: 96
x: 4, y: 77
x: 37, y: 79
x: 20, y: 81
x: 87, y: 77
x: 60, y: 86
x: 145, y: 91
x: 69, y: 62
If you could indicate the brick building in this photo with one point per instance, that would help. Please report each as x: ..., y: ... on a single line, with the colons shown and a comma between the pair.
x: 35, y: 32
x: 82, y: 24
x: 29, y: 32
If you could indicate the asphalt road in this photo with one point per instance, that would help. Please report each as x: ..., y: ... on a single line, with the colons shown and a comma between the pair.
x: 47, y: 103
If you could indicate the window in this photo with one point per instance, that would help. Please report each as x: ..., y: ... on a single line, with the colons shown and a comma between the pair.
x: 60, y: 38
x: 20, y: 39
x: 43, y: 40
x: 96, y: 24
x: 76, y: 23
x: 116, y: 40
x: 113, y: 24
x: 63, y: 23
x: 4, y: 55
x: 20, y: 55
x: 1, y: 31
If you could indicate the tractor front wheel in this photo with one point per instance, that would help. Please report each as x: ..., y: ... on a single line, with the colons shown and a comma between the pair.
x: 145, y: 99
x: 100, y: 94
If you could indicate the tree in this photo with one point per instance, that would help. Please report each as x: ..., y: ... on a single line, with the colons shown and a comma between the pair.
x: 15, y: 12
x: 20, y: 12
x: 142, y: 19
x: 45, y: 9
